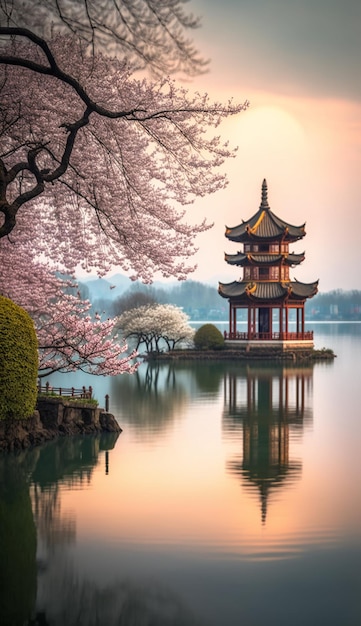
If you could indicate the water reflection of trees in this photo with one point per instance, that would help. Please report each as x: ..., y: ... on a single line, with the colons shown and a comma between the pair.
x: 150, y: 400
x: 68, y: 462
x: 266, y: 406
x: 30, y: 512
x: 17, y: 540
x: 82, y: 603
x: 208, y: 377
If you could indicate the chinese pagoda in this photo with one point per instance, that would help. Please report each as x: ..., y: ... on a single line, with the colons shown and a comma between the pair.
x: 274, y: 303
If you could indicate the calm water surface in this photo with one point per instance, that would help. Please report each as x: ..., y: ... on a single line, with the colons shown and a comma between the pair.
x: 232, y: 497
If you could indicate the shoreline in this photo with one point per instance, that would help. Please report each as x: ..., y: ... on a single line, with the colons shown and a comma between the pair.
x: 55, y: 418
x: 295, y: 356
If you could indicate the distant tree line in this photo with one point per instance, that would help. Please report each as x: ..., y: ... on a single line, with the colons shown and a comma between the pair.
x: 198, y: 300
x: 335, y: 305
x: 201, y: 301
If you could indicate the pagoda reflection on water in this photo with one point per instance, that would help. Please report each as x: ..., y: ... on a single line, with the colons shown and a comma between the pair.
x: 268, y: 405
x: 265, y: 292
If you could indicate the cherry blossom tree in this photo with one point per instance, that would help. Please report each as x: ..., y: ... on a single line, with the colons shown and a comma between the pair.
x: 103, y: 169
x: 151, y: 34
x: 97, y: 163
x: 154, y: 325
x: 69, y: 337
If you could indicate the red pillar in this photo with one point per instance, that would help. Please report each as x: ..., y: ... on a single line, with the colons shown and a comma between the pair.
x: 270, y: 322
x: 281, y: 322
x: 303, y: 321
x: 253, y: 321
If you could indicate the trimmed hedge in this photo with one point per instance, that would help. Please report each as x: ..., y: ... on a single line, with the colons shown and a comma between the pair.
x: 208, y: 337
x: 18, y: 362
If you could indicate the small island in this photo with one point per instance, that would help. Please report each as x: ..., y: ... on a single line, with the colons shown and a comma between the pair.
x: 274, y: 304
x: 228, y: 354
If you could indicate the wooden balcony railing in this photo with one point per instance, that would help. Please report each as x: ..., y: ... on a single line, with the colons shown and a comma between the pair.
x: 277, y: 336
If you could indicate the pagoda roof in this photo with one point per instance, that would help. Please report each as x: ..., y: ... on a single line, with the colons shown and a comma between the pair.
x: 247, y: 259
x: 269, y: 291
x: 265, y: 225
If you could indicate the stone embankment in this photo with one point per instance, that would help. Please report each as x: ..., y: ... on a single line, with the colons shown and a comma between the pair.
x: 53, y: 418
x: 270, y: 354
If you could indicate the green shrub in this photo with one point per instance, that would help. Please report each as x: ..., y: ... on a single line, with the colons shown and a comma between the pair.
x: 208, y: 337
x: 18, y: 362
x: 72, y: 399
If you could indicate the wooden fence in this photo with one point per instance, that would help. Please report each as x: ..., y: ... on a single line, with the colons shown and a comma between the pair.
x: 70, y: 392
x: 65, y: 391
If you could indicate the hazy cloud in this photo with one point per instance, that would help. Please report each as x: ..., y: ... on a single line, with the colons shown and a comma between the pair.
x: 311, y: 46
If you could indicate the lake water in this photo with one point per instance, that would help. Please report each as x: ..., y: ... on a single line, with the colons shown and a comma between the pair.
x: 232, y: 497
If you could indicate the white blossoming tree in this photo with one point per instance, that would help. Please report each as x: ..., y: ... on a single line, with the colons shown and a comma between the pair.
x: 156, y: 326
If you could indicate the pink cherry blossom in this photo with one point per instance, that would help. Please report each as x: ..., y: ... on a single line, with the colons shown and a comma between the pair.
x: 97, y: 163
x: 69, y: 337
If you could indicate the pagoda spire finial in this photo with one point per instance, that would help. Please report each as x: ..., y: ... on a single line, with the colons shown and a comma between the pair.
x: 264, y: 201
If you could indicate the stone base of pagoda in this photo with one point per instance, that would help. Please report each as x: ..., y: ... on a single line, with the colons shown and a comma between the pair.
x: 278, y: 345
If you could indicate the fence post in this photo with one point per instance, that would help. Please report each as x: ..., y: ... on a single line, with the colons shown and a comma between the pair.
x: 72, y: 391
x: 107, y: 403
x: 90, y: 391
x: 47, y: 386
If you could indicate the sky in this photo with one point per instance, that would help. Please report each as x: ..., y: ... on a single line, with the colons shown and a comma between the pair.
x: 298, y: 63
